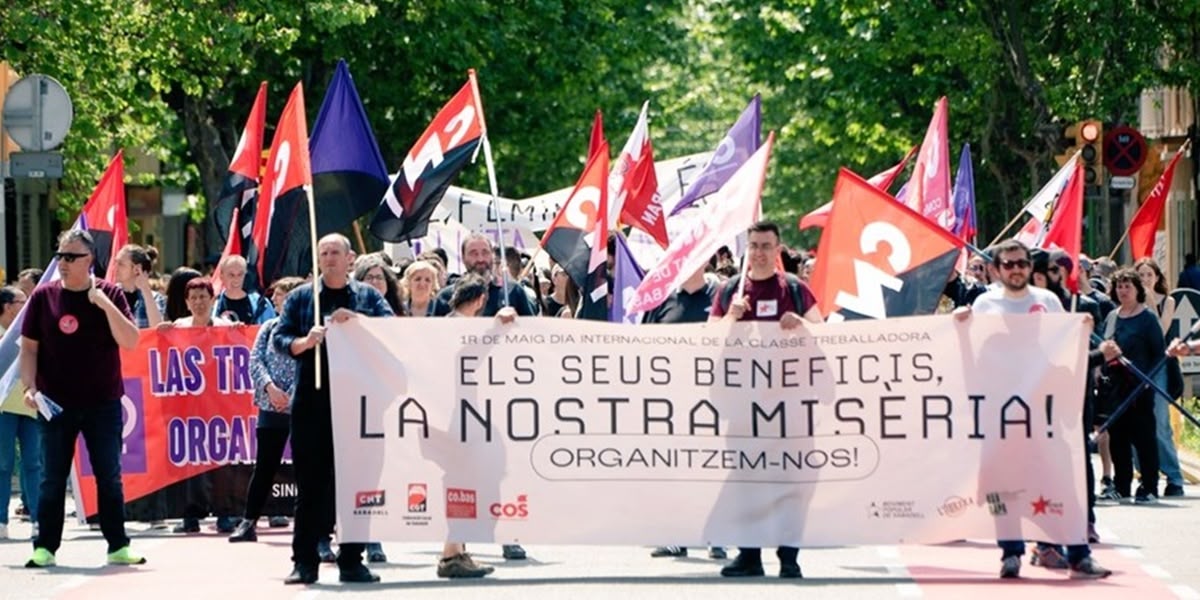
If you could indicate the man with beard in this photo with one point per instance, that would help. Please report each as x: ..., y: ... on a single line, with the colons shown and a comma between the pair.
x: 1012, y: 260
x: 478, y: 258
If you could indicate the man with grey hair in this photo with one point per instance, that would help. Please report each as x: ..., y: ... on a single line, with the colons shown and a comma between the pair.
x: 71, y: 340
x: 342, y: 299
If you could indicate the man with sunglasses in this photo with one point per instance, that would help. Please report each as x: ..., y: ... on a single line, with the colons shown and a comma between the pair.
x: 1013, y: 261
x: 71, y: 344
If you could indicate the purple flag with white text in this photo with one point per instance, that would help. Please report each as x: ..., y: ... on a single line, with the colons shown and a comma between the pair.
x: 742, y: 140
x: 627, y: 276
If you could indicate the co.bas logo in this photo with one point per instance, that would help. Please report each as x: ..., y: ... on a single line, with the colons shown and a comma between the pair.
x: 370, y: 502
x: 518, y: 510
x: 460, y: 503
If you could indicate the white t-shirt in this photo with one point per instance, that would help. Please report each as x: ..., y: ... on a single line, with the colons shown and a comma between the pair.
x: 213, y: 322
x: 1036, y: 300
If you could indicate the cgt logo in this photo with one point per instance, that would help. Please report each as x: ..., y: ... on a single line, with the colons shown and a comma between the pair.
x: 369, y: 499
x: 418, y: 497
x: 511, y: 510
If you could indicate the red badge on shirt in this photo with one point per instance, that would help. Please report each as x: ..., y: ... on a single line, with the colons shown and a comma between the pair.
x: 68, y: 324
x: 1038, y: 308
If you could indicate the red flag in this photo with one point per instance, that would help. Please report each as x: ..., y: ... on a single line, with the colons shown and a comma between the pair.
x: 106, y: 217
x: 929, y: 187
x: 597, y: 134
x: 1066, y: 228
x: 877, y: 257
x: 1145, y: 222
x: 233, y: 247
x: 580, y: 231
x: 882, y: 180
x: 734, y: 209
x: 281, y: 231
x: 445, y: 147
x: 240, y: 190
x: 643, y: 207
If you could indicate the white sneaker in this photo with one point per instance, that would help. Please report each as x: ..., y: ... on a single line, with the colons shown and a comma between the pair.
x: 3, y: 531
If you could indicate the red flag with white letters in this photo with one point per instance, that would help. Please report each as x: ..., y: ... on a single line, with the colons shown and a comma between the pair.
x: 447, y: 145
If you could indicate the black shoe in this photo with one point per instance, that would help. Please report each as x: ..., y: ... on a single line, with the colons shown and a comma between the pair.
x: 790, y: 571
x: 325, y: 552
x: 671, y: 551
x: 375, y: 553
x: 187, y: 526
x: 227, y: 524
x: 513, y: 552
x: 1173, y: 491
x: 357, y: 574
x: 246, y: 532
x: 743, y: 567
x: 301, y: 574
x: 278, y: 522
x: 717, y: 553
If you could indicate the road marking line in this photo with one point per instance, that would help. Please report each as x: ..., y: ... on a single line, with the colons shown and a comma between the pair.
x: 909, y: 590
x: 1134, y: 553
x: 1107, y: 535
x: 1156, y: 571
x: 1184, y: 592
x: 308, y: 595
x: 891, y: 552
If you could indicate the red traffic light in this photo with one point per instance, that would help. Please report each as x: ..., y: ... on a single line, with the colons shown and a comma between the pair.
x: 1089, y: 131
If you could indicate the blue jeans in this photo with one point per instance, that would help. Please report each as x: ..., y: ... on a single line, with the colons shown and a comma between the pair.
x: 101, y: 426
x: 1074, y: 553
x: 1168, y: 459
x: 26, y: 431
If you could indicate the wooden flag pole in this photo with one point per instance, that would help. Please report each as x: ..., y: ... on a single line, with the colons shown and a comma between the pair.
x: 1007, y: 227
x: 312, y: 230
x: 362, y: 246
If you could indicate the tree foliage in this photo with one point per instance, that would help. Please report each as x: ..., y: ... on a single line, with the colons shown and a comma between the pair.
x: 845, y: 83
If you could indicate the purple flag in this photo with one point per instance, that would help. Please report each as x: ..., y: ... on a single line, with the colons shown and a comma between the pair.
x: 964, y: 197
x: 349, y: 176
x: 627, y: 276
x: 735, y: 148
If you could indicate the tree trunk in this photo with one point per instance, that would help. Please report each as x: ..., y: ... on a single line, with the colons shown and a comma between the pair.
x: 210, y: 156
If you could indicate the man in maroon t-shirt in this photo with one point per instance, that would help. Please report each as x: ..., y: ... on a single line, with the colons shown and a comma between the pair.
x: 768, y: 295
x: 71, y: 341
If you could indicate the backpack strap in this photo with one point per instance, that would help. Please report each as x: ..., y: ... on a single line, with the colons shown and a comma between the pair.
x: 794, y: 286
x: 728, y: 289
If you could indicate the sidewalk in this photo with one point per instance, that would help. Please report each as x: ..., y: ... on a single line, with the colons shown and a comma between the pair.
x: 1189, y: 462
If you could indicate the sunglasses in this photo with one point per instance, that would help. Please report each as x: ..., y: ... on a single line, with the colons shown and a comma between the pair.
x: 1052, y: 269
x: 70, y: 257
x: 1020, y: 263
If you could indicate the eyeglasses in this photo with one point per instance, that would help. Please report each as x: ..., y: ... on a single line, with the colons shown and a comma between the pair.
x: 975, y: 268
x: 375, y: 277
x: 1020, y: 263
x: 1052, y: 269
x: 70, y: 257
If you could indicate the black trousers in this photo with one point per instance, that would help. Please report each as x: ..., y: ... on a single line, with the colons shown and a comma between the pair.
x: 786, y: 554
x: 312, y: 459
x: 271, y: 443
x: 1135, y: 429
x: 101, y: 428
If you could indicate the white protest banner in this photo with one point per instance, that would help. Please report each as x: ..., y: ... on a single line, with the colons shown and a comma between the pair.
x: 463, y: 211
x: 912, y: 430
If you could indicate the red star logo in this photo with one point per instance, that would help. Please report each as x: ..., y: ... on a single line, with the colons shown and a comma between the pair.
x: 1039, y: 507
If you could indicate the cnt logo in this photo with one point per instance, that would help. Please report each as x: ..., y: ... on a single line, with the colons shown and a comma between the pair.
x: 369, y: 499
x: 418, y: 497
x: 511, y: 510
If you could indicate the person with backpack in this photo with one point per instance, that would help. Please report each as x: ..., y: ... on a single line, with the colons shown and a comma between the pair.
x: 765, y: 295
x: 235, y: 303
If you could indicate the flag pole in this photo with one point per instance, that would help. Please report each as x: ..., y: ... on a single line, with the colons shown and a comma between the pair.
x: 494, y: 203
x: 362, y: 246
x: 1007, y: 227
x: 1124, y: 236
x: 312, y: 231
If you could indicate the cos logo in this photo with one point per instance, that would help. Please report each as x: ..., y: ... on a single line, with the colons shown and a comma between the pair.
x: 511, y: 510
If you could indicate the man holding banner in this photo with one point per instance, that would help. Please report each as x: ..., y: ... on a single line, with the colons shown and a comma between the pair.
x: 71, y: 368
x: 1013, y: 261
x: 312, y: 431
x: 763, y: 294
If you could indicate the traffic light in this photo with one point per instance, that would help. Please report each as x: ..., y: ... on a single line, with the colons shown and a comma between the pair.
x: 1085, y: 137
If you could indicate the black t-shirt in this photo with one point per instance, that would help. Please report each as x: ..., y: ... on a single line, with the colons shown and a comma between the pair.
x: 131, y: 298
x: 517, y: 298
x: 553, y: 307
x: 238, y: 311
x: 684, y: 307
